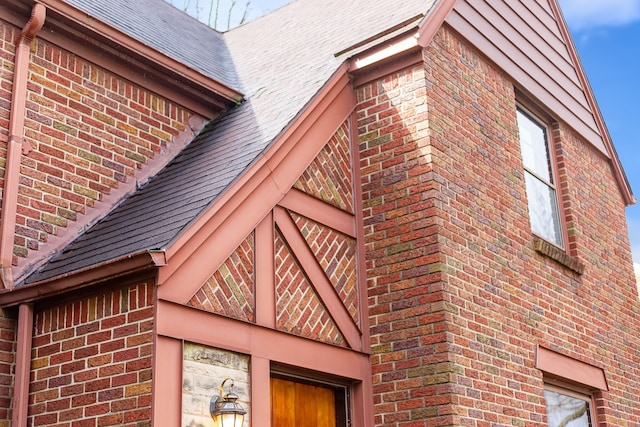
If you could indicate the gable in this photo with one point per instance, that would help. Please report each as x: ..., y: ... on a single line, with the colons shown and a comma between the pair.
x: 531, y: 43
x: 296, y: 271
x: 244, y: 206
x: 526, y: 42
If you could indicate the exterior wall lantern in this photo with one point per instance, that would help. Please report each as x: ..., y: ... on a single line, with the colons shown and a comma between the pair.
x: 225, y: 411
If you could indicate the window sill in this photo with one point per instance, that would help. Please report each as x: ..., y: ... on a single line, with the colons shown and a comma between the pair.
x: 555, y: 253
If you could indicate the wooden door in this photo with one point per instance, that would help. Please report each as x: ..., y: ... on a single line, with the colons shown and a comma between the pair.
x: 301, y: 404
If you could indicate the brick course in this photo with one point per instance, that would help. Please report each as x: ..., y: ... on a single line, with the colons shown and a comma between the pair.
x: 92, y: 359
x: 458, y: 296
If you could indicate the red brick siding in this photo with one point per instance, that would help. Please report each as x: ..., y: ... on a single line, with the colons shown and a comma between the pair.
x: 407, y: 307
x: 91, y: 361
x: 336, y: 254
x: 607, y: 316
x: 7, y: 52
x: 7, y: 361
x: 89, y: 131
x: 329, y: 176
x: 458, y: 297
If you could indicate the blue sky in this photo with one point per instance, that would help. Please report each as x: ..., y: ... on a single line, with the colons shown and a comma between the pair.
x: 606, y: 34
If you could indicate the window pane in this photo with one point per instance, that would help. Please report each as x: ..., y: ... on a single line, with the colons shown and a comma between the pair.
x: 543, y: 210
x: 566, y: 411
x: 533, y: 142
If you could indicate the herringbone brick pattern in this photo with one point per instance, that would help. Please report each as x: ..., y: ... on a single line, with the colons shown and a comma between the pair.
x: 336, y: 253
x: 230, y: 290
x: 298, y: 309
x: 329, y: 176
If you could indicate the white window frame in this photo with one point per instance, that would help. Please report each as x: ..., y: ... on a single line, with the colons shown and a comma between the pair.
x: 561, y: 240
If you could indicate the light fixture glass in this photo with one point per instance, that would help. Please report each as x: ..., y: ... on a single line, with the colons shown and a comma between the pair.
x: 226, y: 411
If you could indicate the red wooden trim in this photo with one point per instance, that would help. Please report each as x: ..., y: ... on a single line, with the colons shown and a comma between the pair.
x: 324, y: 289
x: 100, y: 273
x: 570, y: 369
x: 183, y: 277
x: 362, y: 401
x: 367, y: 75
x: 260, y: 392
x: 256, y: 192
x: 319, y: 211
x: 265, y: 286
x: 361, y: 272
x: 332, y: 106
x: 230, y: 334
x: 23, y: 365
x: 166, y: 407
x: 618, y: 171
x: 434, y: 21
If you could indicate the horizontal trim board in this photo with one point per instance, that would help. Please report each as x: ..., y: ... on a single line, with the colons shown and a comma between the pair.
x: 565, y: 367
x: 225, y: 333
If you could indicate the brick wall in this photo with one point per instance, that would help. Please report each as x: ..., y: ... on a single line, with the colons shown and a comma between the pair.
x: 408, y: 312
x: 7, y: 360
x: 458, y: 296
x: 90, y: 131
x: 91, y: 361
x: 7, y: 50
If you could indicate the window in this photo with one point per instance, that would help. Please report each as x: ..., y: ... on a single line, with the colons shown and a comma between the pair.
x: 539, y: 178
x: 566, y: 408
x: 570, y: 386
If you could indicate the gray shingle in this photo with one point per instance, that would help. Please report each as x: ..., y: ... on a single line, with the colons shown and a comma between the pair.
x: 169, y: 31
x: 282, y: 59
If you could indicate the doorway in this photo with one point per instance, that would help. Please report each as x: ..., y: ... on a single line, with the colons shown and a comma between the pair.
x: 306, y: 404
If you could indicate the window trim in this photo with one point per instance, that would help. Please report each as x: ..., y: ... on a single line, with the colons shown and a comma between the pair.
x: 569, y: 374
x: 560, y: 366
x: 544, y: 121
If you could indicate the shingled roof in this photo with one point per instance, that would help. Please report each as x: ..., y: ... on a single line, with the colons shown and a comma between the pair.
x: 169, y: 31
x: 281, y: 61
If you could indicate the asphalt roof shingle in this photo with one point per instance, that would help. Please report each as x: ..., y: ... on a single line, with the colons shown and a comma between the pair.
x: 168, y: 30
x: 282, y: 60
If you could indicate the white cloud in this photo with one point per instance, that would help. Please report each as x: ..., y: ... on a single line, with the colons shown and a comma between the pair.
x: 588, y: 14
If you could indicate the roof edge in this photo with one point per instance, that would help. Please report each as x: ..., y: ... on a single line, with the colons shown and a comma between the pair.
x: 434, y: 20
x: 142, y: 50
x: 262, y: 175
x: 82, y: 278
